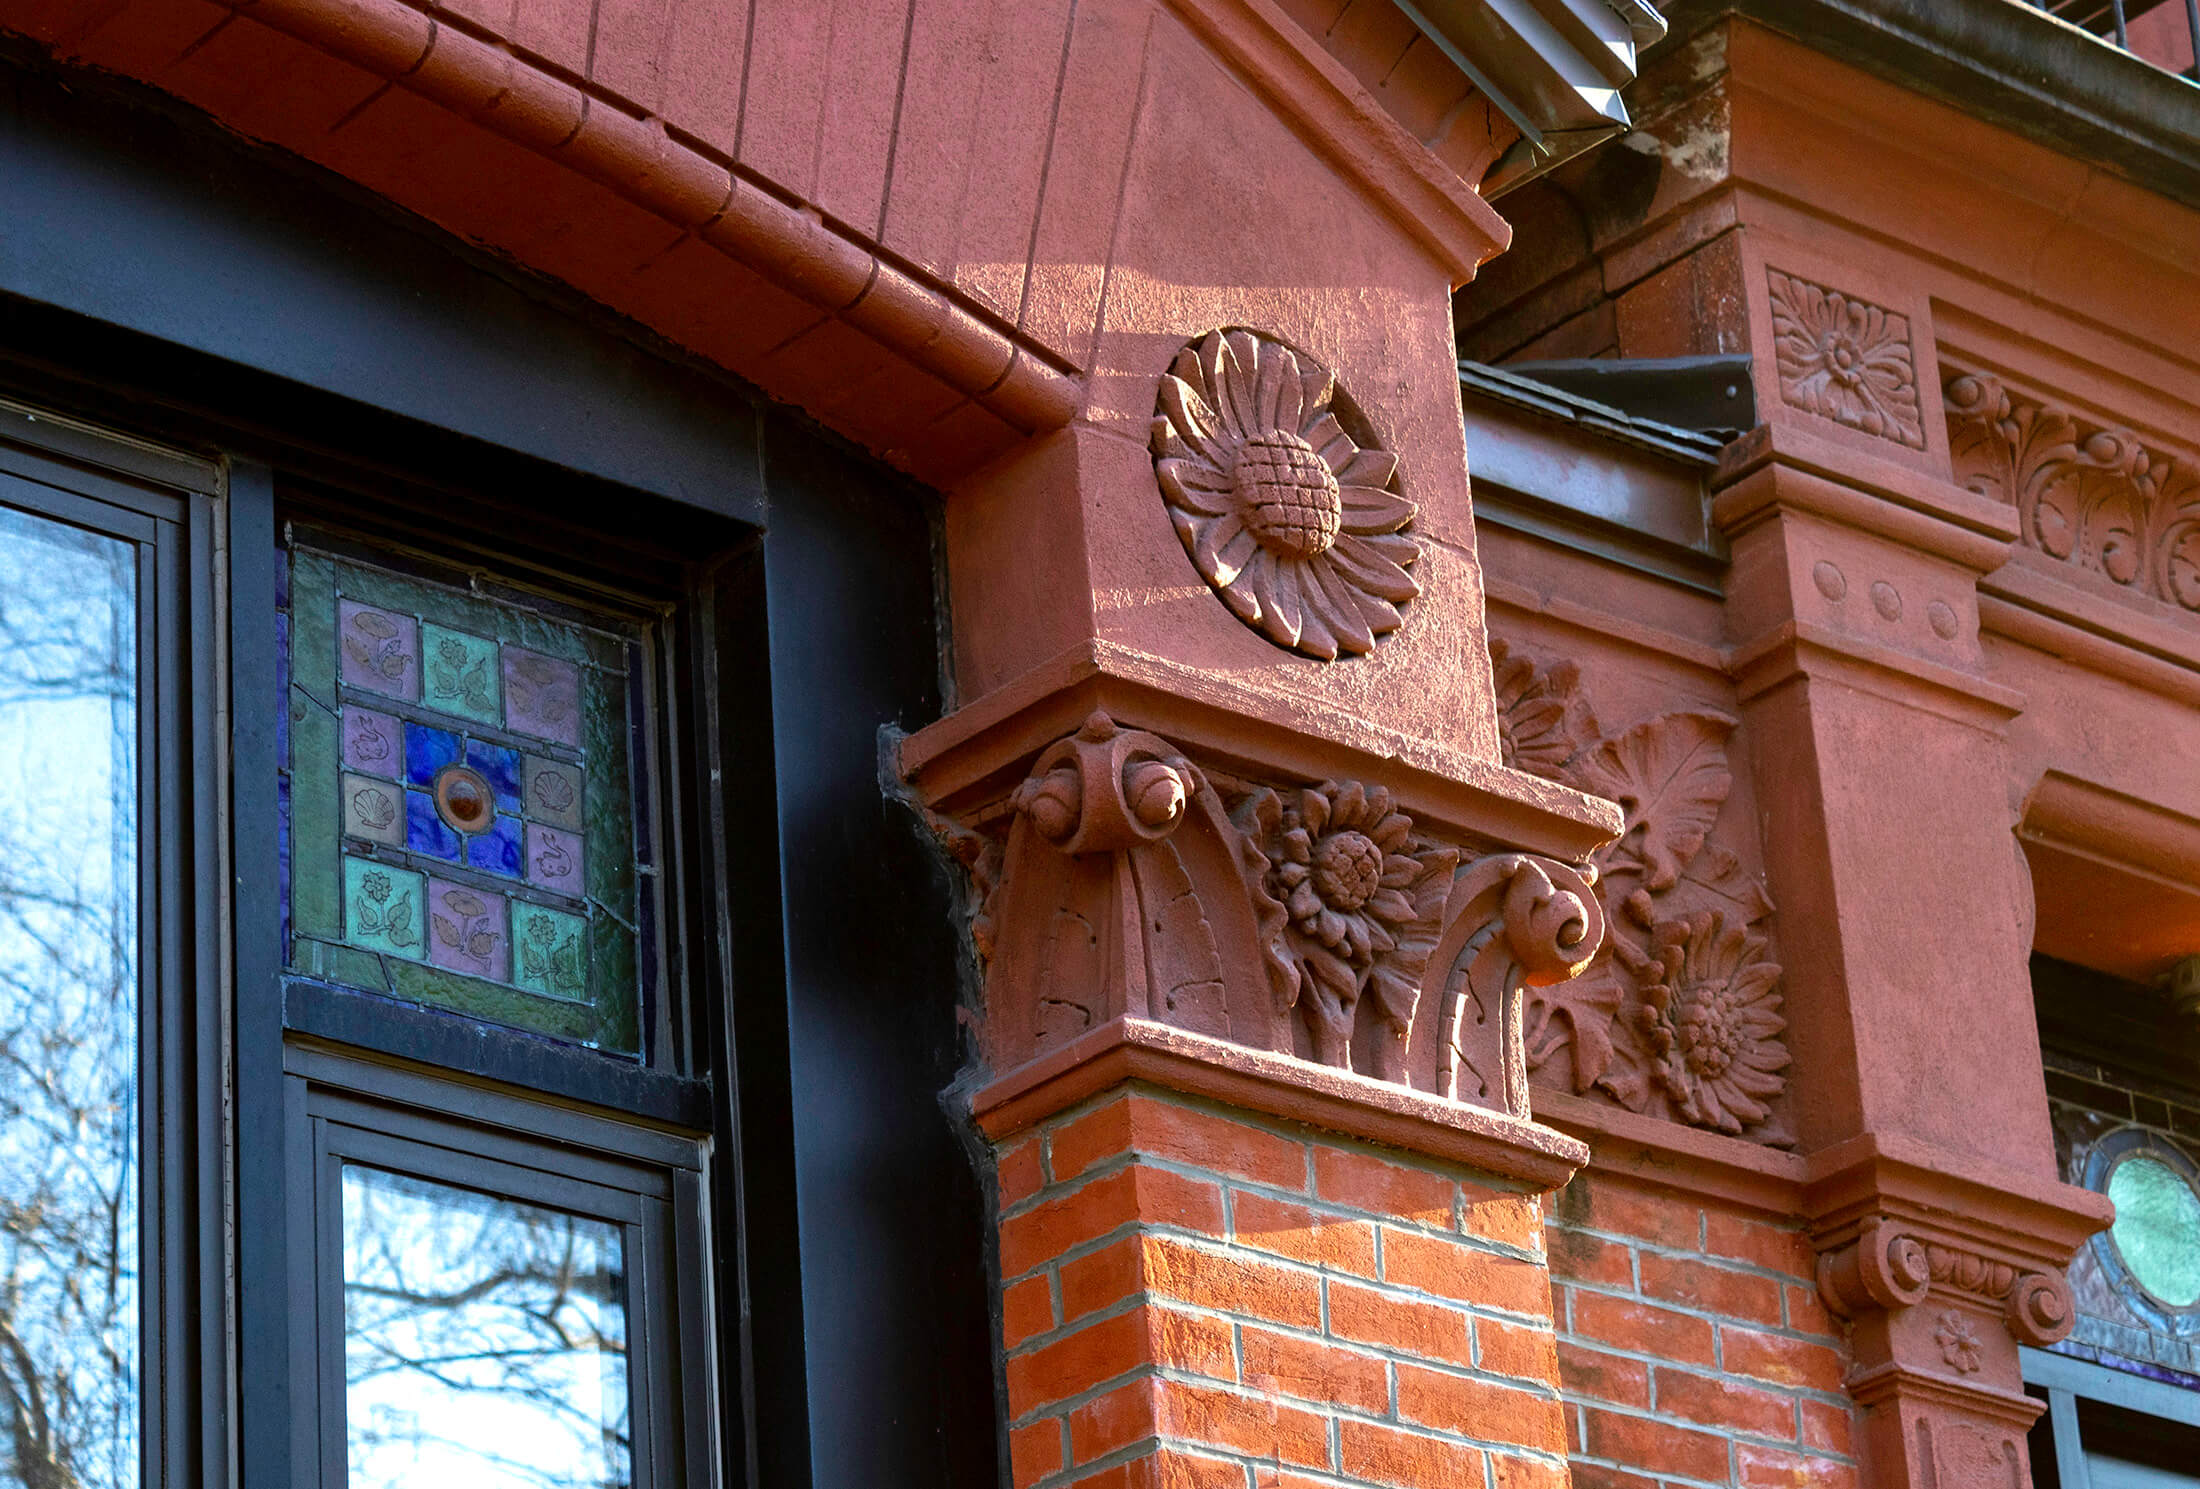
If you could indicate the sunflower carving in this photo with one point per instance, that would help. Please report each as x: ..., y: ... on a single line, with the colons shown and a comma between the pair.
x: 1712, y: 1021
x: 1363, y: 903
x: 1291, y: 519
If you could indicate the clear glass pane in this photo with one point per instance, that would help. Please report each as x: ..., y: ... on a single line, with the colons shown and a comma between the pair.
x: 484, y: 1340
x: 68, y: 1007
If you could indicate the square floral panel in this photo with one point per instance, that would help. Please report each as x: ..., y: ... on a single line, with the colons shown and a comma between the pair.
x: 460, y: 807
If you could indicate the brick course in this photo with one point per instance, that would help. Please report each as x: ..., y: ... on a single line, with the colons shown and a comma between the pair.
x: 1194, y: 1299
x: 1692, y: 1348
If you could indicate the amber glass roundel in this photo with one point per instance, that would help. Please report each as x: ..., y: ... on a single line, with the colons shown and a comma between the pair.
x: 464, y: 799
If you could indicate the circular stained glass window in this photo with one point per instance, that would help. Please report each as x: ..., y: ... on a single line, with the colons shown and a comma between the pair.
x: 2157, y: 1229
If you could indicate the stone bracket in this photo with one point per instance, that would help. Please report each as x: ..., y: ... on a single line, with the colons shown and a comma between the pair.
x: 1137, y: 905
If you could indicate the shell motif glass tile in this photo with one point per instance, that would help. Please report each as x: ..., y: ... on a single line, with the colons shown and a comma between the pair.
x: 462, y: 800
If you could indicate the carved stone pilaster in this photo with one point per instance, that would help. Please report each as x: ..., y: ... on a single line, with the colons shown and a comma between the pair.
x: 1942, y: 1271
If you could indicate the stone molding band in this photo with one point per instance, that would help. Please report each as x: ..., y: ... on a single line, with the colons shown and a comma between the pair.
x: 690, y: 187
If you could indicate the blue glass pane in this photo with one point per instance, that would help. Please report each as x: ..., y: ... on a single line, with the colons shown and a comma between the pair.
x: 427, y: 751
x: 424, y: 829
x: 500, y: 767
x: 497, y: 850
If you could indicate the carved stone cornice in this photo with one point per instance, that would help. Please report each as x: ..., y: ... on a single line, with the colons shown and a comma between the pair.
x: 967, y: 763
x: 1776, y: 468
x: 1167, y: 914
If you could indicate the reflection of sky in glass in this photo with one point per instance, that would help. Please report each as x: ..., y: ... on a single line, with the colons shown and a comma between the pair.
x: 484, y: 1340
x: 68, y: 1008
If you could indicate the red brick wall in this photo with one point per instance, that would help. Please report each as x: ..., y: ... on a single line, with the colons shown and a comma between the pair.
x: 1194, y: 1299
x: 1692, y: 1346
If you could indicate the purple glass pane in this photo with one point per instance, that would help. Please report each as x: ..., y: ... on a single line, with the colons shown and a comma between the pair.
x: 500, y: 768
x: 424, y: 829
x: 542, y: 696
x: 554, y: 793
x: 282, y: 842
x: 497, y: 850
x: 427, y: 751
x: 554, y: 860
x: 373, y: 743
x: 380, y: 650
x: 467, y: 931
x: 282, y: 672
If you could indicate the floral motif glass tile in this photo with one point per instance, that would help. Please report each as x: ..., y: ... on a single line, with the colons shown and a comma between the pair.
x: 462, y: 803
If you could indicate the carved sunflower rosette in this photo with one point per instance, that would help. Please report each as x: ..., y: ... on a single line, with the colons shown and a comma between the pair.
x: 1294, y: 522
x: 1309, y: 921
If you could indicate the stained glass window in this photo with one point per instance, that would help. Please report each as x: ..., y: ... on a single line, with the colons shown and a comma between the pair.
x: 461, y: 810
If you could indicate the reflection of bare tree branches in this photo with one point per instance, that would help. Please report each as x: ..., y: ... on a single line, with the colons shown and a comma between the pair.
x: 68, y: 1009
x: 483, y: 1336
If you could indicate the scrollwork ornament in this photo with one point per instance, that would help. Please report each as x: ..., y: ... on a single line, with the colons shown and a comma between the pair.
x: 1293, y: 521
x: 2093, y: 497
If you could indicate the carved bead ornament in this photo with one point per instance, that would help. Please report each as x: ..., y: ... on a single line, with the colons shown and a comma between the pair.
x: 1293, y: 522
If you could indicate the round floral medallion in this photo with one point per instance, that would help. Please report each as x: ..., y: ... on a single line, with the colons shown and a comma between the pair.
x: 1290, y: 518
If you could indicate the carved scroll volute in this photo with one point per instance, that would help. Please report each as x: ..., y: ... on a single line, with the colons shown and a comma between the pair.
x: 2038, y: 1309
x: 1120, y: 894
x: 1882, y: 1269
x: 1513, y: 921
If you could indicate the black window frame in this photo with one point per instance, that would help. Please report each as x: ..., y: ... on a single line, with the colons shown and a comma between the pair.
x: 679, y: 1084
x: 167, y: 506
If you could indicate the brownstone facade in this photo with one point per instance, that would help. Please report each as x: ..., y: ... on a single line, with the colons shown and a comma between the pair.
x: 1498, y: 925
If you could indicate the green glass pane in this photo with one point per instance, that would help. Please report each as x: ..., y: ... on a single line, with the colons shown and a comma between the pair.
x: 385, y: 909
x: 459, y: 674
x: 550, y: 952
x: 315, y: 823
x: 2157, y: 1230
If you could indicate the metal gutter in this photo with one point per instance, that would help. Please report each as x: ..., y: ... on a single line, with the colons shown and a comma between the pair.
x: 1555, y: 68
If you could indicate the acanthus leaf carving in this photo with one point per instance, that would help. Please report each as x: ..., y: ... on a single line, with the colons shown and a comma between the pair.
x: 1669, y: 774
x: 1313, y: 920
x: 1680, y: 1017
x: 2091, y: 496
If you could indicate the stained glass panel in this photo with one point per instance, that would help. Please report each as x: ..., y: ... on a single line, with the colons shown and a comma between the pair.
x: 461, y: 804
